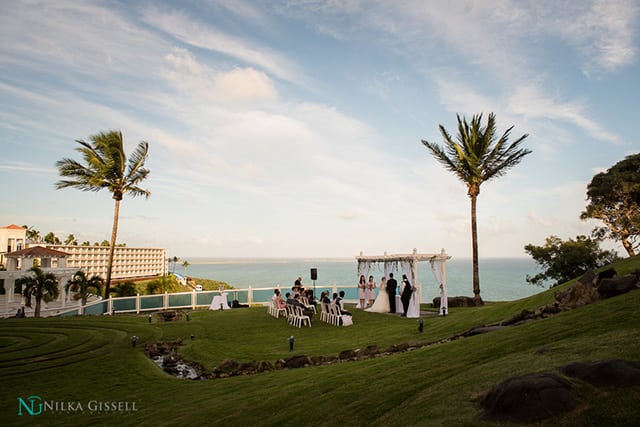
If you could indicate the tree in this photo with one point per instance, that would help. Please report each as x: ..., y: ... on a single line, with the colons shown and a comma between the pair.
x: 566, y: 260
x: 125, y: 289
x: 185, y: 265
x: 475, y: 157
x: 52, y: 239
x: 106, y: 166
x: 614, y: 199
x: 175, y: 260
x: 32, y: 234
x: 71, y: 240
x: 82, y: 285
x: 40, y: 286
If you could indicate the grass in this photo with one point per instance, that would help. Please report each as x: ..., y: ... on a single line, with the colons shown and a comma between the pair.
x: 91, y: 358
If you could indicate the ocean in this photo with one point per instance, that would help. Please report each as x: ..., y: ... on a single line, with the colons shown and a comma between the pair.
x: 501, y: 279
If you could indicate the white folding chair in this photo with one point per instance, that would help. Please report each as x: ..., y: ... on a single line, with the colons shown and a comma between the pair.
x: 302, y: 318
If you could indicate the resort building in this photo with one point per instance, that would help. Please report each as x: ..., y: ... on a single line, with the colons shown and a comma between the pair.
x: 18, y: 264
x: 12, y: 238
x: 128, y: 263
x: 17, y: 256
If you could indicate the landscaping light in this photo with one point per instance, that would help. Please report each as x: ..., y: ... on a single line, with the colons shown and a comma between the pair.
x: 291, y: 341
x: 421, y: 325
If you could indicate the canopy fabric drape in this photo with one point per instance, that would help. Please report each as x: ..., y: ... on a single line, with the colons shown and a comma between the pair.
x: 437, y: 266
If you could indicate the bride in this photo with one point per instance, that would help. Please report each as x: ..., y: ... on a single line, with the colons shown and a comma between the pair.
x: 381, y: 304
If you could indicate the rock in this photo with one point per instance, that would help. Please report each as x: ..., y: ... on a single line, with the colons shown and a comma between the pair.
x: 617, y: 286
x: 577, y: 296
x: 297, y: 362
x: 317, y: 360
x: 609, y: 273
x: 371, y: 350
x: 605, y: 373
x: 392, y: 349
x: 249, y: 367
x: 403, y: 346
x: 528, y: 398
x: 347, y: 354
x: 330, y: 358
x: 265, y: 366
x: 588, y: 278
x: 227, y: 366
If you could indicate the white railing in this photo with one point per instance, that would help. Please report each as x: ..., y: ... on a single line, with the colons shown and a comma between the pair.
x: 181, y: 300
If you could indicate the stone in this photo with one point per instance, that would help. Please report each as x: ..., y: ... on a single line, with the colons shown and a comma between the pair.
x: 588, y: 278
x: 577, y: 296
x: 605, y: 373
x: 297, y: 362
x: 347, y: 354
x: 265, y: 366
x: 617, y: 286
x: 227, y: 366
x: 317, y: 360
x: 528, y: 398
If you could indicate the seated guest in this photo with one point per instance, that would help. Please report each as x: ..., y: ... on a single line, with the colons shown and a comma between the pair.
x: 324, y: 297
x: 337, y: 299
x: 289, y: 298
x: 305, y: 310
x: 277, y: 298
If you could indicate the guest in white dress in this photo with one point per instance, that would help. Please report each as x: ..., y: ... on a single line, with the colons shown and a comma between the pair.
x: 381, y: 304
x: 371, y: 290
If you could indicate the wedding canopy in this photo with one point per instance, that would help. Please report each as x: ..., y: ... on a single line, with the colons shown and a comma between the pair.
x: 408, y: 264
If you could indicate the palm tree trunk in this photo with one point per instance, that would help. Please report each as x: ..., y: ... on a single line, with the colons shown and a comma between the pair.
x: 36, y: 312
x: 474, y: 244
x: 112, y: 247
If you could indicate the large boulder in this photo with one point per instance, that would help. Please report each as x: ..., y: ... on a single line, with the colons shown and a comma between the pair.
x: 297, y: 362
x: 576, y: 296
x: 617, y: 285
x: 605, y: 373
x: 528, y: 398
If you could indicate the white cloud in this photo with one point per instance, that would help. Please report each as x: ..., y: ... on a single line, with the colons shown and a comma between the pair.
x: 196, y: 34
x: 195, y: 80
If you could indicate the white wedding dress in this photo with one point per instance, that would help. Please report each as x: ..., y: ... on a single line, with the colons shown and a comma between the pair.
x: 381, y: 304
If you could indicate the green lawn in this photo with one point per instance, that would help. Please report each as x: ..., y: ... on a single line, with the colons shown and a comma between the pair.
x: 91, y: 359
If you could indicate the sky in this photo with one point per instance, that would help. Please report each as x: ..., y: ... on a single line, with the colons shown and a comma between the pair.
x: 294, y: 128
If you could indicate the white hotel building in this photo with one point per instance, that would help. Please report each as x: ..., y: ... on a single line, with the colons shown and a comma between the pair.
x: 128, y: 263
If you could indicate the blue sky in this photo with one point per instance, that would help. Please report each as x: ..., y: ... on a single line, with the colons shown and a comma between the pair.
x: 293, y: 128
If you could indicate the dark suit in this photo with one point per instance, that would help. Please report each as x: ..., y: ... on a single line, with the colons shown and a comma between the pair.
x: 391, y: 290
x: 406, y: 296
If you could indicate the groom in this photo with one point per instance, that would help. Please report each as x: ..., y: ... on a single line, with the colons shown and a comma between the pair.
x: 406, y: 294
x: 391, y: 291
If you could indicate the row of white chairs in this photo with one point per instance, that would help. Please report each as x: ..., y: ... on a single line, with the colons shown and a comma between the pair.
x: 297, y: 317
x: 276, y: 311
x: 331, y: 314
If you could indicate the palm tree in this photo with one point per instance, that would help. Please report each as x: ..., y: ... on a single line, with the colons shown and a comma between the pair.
x: 33, y: 235
x: 82, y: 285
x: 175, y: 261
x: 40, y: 286
x: 106, y: 166
x: 475, y: 157
x: 184, y: 266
